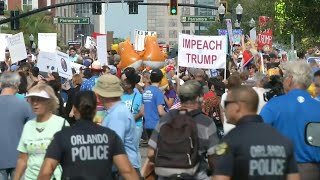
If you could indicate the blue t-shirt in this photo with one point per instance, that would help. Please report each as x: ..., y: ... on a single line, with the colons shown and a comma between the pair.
x: 119, y: 119
x: 289, y: 114
x: 133, y: 102
x: 88, y: 84
x: 152, y: 98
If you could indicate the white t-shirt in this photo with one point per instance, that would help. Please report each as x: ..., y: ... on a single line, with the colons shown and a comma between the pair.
x: 260, y: 91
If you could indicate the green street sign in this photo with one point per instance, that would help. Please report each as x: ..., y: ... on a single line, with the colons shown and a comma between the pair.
x: 197, y: 19
x: 68, y: 20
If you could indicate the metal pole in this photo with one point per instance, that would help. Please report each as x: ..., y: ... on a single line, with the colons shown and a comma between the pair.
x: 292, y: 42
x: 199, y: 29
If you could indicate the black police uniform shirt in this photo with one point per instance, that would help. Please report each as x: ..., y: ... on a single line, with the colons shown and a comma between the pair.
x: 85, y: 151
x: 254, y: 150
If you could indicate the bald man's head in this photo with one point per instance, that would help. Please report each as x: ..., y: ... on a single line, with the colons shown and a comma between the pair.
x: 246, y: 95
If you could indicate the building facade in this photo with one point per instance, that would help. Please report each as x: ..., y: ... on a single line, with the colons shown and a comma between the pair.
x: 168, y: 27
x: 66, y: 32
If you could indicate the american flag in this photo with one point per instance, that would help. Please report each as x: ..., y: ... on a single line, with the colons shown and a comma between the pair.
x: 176, y: 103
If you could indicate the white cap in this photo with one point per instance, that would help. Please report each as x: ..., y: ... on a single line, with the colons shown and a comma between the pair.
x: 42, y: 94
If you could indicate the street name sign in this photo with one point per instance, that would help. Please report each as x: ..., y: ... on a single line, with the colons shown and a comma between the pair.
x: 74, y: 20
x: 197, y: 19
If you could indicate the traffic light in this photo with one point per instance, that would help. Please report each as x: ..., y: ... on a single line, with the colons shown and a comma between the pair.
x: 96, y: 8
x: 225, y: 4
x: 133, y: 7
x: 173, y: 4
x: 14, y: 23
x: 1, y: 7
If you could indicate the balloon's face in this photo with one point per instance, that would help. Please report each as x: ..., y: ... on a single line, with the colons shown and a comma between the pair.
x: 129, y: 57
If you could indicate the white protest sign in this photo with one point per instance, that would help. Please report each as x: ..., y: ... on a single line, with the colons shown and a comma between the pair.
x: 139, y: 38
x: 102, y: 49
x: 47, y: 61
x: 90, y: 43
x: 17, y: 47
x: 3, y: 46
x: 63, y: 64
x: 47, y: 42
x: 253, y: 34
x: 207, y: 52
x: 76, y: 66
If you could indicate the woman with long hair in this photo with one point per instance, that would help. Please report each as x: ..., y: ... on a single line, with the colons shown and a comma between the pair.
x: 76, y: 82
x: 38, y: 133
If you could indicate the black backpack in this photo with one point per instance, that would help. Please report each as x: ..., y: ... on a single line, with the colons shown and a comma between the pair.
x: 177, y: 146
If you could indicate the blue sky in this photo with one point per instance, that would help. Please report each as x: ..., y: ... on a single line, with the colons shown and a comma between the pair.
x: 123, y: 24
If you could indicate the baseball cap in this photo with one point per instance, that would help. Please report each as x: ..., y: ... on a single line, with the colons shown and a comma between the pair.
x: 156, y: 74
x: 96, y: 66
x: 42, y: 94
x: 113, y: 69
x: 169, y: 68
x: 86, y: 63
x: 108, y: 86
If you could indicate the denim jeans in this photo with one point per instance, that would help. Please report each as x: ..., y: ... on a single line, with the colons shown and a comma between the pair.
x: 139, y: 131
x: 7, y: 174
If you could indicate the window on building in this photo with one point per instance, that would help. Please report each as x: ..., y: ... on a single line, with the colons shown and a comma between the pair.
x: 27, y: 5
x: 186, y: 24
x: 160, y: 34
x: 160, y: 23
x: 186, y: 31
x: 172, y: 23
x: 173, y: 34
x: 185, y: 11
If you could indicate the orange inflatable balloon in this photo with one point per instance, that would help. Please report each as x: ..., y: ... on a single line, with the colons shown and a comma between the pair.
x: 129, y: 57
x: 164, y: 81
x: 152, y: 55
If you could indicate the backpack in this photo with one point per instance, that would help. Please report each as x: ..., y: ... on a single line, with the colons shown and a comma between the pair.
x: 177, y: 146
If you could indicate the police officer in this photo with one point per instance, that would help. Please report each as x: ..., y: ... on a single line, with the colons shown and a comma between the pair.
x: 252, y: 150
x: 86, y: 150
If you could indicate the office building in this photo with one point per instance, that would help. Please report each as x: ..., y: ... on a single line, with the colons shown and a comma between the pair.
x: 168, y: 27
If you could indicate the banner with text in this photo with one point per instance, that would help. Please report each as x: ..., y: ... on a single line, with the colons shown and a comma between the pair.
x: 102, y: 49
x: 265, y: 36
x: 17, y: 47
x: 47, y: 42
x: 4, y: 45
x: 63, y: 64
x: 139, y: 38
x: 47, y: 61
x: 207, y: 52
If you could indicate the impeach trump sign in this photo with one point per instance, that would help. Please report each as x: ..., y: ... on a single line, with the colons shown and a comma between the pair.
x: 207, y: 52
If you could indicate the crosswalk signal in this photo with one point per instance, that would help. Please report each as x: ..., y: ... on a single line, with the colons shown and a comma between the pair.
x: 173, y: 4
x: 1, y: 7
x: 96, y: 8
x: 15, y: 24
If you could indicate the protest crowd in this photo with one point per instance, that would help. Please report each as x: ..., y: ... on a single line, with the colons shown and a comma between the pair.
x: 66, y: 114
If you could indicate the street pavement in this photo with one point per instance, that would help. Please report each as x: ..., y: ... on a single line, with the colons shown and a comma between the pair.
x: 143, y: 152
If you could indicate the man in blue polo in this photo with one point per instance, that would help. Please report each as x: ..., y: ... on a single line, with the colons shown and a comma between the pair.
x: 118, y: 116
x: 290, y: 113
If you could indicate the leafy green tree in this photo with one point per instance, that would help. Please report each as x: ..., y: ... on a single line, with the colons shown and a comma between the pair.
x: 34, y: 24
x: 298, y: 17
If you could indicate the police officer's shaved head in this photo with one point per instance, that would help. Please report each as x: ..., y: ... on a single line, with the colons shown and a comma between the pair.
x: 246, y: 95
